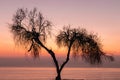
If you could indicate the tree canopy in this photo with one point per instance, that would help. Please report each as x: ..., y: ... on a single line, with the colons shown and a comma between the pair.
x: 30, y: 29
x: 29, y: 25
x: 87, y: 45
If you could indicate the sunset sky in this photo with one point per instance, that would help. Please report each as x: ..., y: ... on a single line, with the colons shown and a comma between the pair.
x: 98, y: 16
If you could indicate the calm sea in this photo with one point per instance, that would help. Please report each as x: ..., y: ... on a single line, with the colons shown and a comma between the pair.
x: 26, y: 73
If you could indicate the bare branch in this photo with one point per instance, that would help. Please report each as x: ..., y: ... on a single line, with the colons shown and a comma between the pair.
x: 38, y: 28
x: 88, y: 45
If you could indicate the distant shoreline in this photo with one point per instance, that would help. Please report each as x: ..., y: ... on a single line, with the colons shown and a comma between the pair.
x: 50, y: 67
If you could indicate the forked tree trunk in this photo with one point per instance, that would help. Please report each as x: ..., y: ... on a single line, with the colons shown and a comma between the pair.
x: 58, y: 69
x: 58, y: 77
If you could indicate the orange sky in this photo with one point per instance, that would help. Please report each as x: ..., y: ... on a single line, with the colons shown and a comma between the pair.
x: 102, y: 17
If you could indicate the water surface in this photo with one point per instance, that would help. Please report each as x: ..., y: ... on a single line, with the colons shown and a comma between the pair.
x: 27, y: 73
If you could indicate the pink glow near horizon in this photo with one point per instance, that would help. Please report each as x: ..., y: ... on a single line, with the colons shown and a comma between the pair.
x: 102, y: 17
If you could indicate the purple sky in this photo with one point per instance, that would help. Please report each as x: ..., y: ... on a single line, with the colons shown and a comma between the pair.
x: 99, y: 16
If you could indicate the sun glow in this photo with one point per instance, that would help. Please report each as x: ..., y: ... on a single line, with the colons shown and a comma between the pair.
x: 96, y: 16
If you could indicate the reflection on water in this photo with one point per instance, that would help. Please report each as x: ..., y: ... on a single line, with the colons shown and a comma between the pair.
x: 67, y: 74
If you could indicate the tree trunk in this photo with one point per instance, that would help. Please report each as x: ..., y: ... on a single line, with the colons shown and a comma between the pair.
x: 58, y: 77
x: 53, y: 57
x: 58, y: 70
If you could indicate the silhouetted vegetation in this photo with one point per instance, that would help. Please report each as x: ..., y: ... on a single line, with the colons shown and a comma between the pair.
x: 30, y: 29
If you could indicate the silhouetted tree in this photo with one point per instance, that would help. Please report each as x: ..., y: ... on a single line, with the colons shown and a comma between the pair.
x: 30, y: 29
x: 80, y: 42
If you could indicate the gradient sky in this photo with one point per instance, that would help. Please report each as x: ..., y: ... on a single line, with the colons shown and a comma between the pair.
x: 99, y: 16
